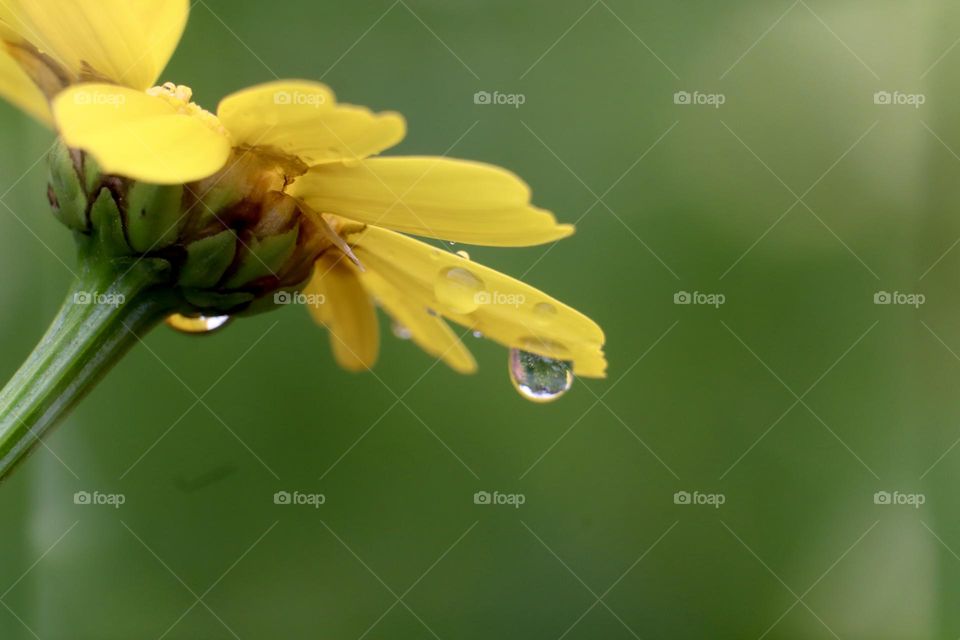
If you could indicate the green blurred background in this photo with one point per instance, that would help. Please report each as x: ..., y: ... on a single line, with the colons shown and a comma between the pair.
x: 797, y: 400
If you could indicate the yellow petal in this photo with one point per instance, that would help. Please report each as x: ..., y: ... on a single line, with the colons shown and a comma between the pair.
x: 127, y: 42
x: 502, y: 308
x: 451, y: 200
x: 17, y: 87
x: 429, y: 332
x: 302, y: 119
x: 139, y: 136
x: 347, y: 311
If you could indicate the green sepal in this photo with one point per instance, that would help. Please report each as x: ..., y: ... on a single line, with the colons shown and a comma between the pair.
x: 154, y: 215
x: 91, y: 174
x: 105, y: 217
x: 213, y: 303
x: 70, y: 206
x: 264, y: 257
x: 208, y: 259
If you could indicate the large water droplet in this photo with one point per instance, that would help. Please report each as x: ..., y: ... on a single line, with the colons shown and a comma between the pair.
x: 400, y: 331
x: 459, y: 290
x: 196, y: 324
x: 537, y: 378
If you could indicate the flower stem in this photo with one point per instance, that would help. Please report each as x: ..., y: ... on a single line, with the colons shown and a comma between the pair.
x: 109, y: 306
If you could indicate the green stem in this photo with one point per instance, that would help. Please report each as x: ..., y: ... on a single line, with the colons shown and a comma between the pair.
x: 108, y: 308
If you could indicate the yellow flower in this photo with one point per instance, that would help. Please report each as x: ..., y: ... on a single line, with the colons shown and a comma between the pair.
x: 88, y: 67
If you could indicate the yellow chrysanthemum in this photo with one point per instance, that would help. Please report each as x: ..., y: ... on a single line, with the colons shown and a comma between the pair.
x: 88, y: 67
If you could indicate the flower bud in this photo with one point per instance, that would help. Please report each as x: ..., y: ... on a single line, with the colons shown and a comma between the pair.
x: 230, y: 240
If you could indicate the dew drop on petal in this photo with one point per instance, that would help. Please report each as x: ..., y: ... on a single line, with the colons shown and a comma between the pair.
x: 463, y: 254
x: 538, y: 378
x: 196, y: 324
x: 544, y: 312
x: 400, y: 331
x: 459, y: 290
x: 478, y: 334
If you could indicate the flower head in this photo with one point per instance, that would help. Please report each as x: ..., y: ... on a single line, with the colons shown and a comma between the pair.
x: 279, y: 190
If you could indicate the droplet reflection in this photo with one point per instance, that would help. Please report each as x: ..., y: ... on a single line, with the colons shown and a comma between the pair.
x: 538, y: 378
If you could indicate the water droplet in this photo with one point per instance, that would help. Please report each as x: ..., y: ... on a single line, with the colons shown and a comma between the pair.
x: 478, y: 334
x: 544, y: 312
x: 537, y: 378
x: 544, y: 309
x: 196, y: 324
x: 459, y: 290
x: 400, y: 331
x: 463, y: 254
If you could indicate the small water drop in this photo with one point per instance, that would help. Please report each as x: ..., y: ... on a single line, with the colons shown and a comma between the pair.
x: 463, y: 254
x: 459, y: 290
x: 401, y: 331
x: 478, y: 334
x: 545, y: 310
x: 196, y: 324
x: 538, y: 378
